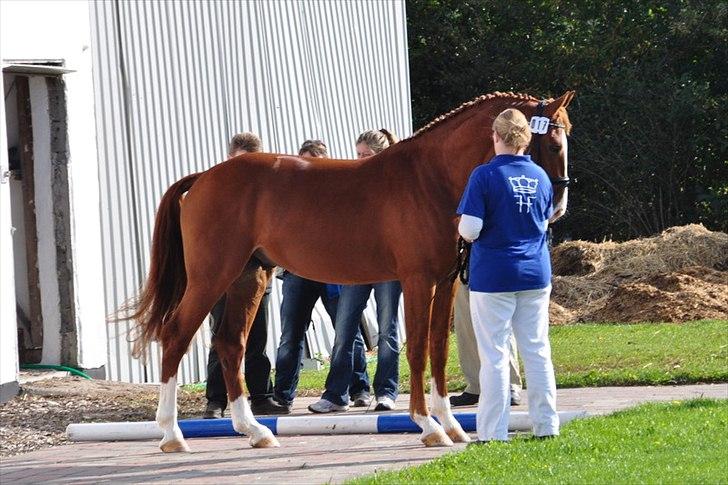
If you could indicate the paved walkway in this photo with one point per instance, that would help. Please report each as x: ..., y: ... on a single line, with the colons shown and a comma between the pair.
x: 301, y: 459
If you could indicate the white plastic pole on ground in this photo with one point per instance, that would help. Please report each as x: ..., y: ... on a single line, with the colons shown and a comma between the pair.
x: 287, y: 426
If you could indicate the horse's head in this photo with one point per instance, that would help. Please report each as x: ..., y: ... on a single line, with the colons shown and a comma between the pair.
x: 550, y: 126
x: 460, y: 140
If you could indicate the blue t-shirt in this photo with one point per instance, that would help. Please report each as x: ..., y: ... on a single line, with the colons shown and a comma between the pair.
x: 513, y: 196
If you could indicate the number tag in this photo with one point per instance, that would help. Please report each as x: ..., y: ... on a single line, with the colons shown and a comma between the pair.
x: 539, y: 125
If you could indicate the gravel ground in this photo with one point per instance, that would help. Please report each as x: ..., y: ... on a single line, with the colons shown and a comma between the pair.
x: 37, y: 418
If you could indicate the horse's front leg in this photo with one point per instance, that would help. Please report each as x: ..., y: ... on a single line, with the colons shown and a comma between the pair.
x: 439, y: 333
x: 418, y: 292
x: 243, y: 299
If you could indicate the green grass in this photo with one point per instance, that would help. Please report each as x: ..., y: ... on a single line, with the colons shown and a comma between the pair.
x: 678, y: 442
x: 642, y: 354
x: 589, y: 355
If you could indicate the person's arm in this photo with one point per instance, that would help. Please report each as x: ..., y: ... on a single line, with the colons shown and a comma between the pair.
x: 472, y: 207
x: 551, y: 214
x: 470, y: 227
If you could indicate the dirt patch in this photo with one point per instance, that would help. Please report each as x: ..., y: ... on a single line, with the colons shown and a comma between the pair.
x: 672, y: 297
x: 677, y: 276
x: 38, y: 417
x: 559, y: 315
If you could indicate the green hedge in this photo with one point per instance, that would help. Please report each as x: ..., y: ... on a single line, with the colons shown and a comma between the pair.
x: 649, y: 148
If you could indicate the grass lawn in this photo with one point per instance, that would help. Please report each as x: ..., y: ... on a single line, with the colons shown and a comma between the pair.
x: 678, y: 442
x: 588, y: 355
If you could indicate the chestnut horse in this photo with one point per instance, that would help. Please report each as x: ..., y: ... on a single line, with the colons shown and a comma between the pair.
x: 387, y: 217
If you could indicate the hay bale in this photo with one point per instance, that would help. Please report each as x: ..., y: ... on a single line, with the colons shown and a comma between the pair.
x: 674, y: 249
x: 574, y: 292
x: 576, y: 258
x: 644, y: 279
x: 667, y: 297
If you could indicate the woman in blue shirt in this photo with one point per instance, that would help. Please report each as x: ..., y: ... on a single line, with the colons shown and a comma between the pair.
x: 505, y: 212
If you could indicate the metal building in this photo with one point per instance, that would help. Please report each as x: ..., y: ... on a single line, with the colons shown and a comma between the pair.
x: 172, y: 81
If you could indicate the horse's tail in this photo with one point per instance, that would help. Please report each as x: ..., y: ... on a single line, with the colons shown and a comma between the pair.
x: 167, y: 278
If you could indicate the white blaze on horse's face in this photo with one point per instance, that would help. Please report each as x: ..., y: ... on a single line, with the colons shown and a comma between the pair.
x: 561, y: 204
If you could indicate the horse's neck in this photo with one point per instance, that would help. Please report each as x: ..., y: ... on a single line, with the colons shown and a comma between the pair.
x: 453, y: 152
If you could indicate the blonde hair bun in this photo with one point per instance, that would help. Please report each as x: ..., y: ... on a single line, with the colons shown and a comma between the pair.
x: 512, y: 127
x: 377, y: 140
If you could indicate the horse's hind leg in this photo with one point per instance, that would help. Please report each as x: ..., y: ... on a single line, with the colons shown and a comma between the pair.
x: 243, y: 299
x: 439, y: 333
x: 176, y: 337
x: 418, y: 294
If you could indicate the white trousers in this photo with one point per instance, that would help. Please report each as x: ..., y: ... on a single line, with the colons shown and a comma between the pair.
x: 526, y: 314
x: 468, y: 347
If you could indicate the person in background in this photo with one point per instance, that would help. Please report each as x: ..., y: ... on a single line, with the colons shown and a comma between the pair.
x: 257, y: 364
x: 345, y: 355
x: 469, y: 359
x: 299, y: 297
x: 505, y: 212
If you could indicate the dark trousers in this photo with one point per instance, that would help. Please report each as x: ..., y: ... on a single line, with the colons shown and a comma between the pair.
x: 257, y: 364
x: 299, y: 297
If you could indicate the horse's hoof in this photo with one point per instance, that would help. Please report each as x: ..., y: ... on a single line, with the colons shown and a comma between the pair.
x: 457, y: 435
x: 265, y: 441
x: 174, y: 446
x: 437, y: 438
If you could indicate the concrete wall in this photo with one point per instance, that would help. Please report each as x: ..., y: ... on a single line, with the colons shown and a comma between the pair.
x: 8, y: 333
x: 16, y: 198
x: 61, y: 30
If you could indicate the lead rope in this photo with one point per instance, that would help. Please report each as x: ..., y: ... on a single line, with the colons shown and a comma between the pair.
x: 463, y: 265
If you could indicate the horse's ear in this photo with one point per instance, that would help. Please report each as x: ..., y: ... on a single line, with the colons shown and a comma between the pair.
x: 571, y: 97
x: 562, y: 101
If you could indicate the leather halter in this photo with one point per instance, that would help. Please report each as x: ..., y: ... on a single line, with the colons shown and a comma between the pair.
x: 535, y: 146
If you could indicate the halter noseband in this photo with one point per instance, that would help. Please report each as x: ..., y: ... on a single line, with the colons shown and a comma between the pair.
x: 536, y: 143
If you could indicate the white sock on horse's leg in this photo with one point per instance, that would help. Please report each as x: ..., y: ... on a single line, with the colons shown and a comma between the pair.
x: 432, y: 432
x: 173, y: 440
x: 441, y: 410
x: 244, y: 422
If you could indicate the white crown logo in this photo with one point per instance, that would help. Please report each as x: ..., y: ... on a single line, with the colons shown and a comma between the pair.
x: 523, y: 184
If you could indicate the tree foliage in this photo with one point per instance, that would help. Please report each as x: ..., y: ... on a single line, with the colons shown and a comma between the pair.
x: 649, y: 147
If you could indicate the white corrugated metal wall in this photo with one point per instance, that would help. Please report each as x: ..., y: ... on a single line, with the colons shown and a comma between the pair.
x: 175, y: 79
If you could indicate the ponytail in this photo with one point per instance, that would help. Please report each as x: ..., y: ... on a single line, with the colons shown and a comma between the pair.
x: 390, y: 137
x: 377, y: 140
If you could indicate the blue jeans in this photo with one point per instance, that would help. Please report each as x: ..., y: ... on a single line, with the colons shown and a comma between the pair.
x: 352, y: 302
x: 299, y: 297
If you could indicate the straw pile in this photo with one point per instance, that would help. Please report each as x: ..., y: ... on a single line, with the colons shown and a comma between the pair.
x: 680, y: 275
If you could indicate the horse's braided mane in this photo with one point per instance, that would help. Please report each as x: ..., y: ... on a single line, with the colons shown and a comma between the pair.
x: 468, y: 104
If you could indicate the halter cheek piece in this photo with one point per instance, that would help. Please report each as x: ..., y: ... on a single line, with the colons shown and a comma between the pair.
x: 533, y: 150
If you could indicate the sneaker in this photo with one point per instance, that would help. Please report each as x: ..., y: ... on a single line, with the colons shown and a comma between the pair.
x: 214, y: 410
x: 515, y: 396
x: 361, y: 400
x: 464, y: 399
x: 384, y: 403
x: 269, y: 406
x: 323, y: 406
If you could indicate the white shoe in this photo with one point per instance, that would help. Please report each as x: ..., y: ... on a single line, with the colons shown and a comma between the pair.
x: 384, y: 403
x: 323, y: 406
x: 361, y: 400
